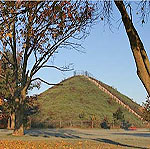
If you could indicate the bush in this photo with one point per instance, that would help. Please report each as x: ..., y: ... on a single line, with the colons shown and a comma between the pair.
x: 105, y: 124
x: 125, y: 125
x: 118, y: 117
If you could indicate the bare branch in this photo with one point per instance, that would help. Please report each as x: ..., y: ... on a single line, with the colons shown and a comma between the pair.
x: 71, y: 45
x: 58, y: 68
x: 49, y: 53
x: 44, y: 81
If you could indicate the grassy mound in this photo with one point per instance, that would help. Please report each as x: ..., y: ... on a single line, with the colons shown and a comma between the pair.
x: 78, y: 98
x: 126, y: 100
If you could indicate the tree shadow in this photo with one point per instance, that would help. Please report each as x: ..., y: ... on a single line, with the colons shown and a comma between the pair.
x: 134, y: 134
x: 117, y: 143
x: 52, y: 133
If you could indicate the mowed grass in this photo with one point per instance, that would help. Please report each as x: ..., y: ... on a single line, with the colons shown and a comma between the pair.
x: 78, y: 96
x: 38, y: 140
x: 76, y: 139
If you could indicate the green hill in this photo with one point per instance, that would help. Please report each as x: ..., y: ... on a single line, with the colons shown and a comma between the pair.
x: 77, y: 95
x: 126, y: 100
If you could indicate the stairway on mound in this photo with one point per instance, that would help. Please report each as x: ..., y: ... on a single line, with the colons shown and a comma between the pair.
x: 97, y: 83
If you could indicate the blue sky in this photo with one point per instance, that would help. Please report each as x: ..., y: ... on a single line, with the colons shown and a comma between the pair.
x: 108, y: 57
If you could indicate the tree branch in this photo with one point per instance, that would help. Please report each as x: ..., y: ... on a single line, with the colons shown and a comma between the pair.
x: 137, y: 47
x: 44, y: 81
x: 58, y: 68
x: 2, y: 76
x: 6, y: 57
x: 49, y: 53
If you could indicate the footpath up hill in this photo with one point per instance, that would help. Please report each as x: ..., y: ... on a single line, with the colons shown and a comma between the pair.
x: 79, y: 97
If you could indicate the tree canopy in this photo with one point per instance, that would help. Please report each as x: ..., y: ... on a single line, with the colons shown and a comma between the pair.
x: 37, y: 30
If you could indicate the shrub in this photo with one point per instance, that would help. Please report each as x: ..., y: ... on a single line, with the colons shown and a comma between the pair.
x: 105, y: 124
x: 118, y: 117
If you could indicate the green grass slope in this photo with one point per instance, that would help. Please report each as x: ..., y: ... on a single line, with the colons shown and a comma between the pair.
x: 77, y: 95
x: 134, y: 106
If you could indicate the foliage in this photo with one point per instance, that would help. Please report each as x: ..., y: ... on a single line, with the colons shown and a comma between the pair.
x: 146, y: 110
x: 36, y: 30
x: 125, y: 124
x: 6, y: 72
x: 7, y: 86
x: 105, y: 124
x: 39, y: 28
x: 50, y: 144
x: 118, y: 117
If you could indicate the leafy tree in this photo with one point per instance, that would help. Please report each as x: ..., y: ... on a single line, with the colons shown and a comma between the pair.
x: 37, y: 30
x: 118, y: 117
x: 5, y: 90
x: 126, y: 124
x: 5, y: 72
x: 7, y: 86
x: 137, y: 47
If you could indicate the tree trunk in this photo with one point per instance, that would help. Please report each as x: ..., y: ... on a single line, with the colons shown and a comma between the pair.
x: 28, y: 123
x: 92, y: 124
x: 11, y: 121
x: 19, y: 128
x: 139, y: 53
x: 19, y: 114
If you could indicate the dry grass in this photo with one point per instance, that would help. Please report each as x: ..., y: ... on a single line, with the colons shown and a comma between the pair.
x: 18, y: 144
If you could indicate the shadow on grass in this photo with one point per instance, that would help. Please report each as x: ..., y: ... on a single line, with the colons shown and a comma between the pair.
x: 134, y: 134
x: 117, y: 143
x: 73, y: 134
x: 52, y: 133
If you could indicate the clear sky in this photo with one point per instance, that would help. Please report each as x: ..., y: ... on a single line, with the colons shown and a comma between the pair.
x: 108, y: 57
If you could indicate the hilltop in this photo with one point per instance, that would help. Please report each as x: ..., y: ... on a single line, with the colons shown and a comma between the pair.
x: 79, y: 96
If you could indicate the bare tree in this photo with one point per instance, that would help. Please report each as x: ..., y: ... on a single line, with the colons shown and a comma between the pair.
x: 137, y: 47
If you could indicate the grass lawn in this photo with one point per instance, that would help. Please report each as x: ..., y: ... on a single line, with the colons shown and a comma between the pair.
x: 73, y: 138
